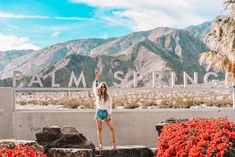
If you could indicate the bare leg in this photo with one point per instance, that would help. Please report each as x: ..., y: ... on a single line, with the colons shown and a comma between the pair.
x: 112, y: 132
x: 99, y: 132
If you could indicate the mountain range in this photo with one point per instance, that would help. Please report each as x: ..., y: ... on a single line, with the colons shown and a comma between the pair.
x: 161, y: 49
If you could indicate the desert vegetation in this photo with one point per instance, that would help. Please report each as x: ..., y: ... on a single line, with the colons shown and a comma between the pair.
x: 128, y: 99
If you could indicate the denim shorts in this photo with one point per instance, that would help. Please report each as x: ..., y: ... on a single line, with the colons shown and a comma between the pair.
x: 101, y: 114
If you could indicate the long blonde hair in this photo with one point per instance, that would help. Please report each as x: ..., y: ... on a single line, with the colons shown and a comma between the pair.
x: 106, y: 95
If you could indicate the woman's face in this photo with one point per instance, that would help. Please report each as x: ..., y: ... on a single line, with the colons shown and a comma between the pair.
x: 103, y: 88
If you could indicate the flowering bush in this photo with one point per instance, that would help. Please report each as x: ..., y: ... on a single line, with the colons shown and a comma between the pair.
x: 198, y: 138
x: 20, y: 150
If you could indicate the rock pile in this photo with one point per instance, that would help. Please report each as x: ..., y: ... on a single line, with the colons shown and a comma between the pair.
x: 66, y: 137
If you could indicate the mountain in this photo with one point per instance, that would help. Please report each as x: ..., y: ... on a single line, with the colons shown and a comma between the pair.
x: 200, y: 31
x: 78, y: 63
x: 8, y: 56
x: 161, y: 49
x: 33, y: 62
x: 120, y: 45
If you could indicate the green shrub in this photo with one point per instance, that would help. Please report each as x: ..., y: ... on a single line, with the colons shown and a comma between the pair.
x: 34, y: 102
x: 22, y: 102
x: 131, y: 104
x: 165, y: 104
x: 71, y: 103
x: 43, y: 103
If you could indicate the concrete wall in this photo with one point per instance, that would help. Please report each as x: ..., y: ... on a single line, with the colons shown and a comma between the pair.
x: 133, y: 127
x: 6, y: 107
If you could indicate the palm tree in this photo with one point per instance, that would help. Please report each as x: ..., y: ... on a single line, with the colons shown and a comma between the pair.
x: 230, y: 3
x: 221, y: 34
x: 214, y: 60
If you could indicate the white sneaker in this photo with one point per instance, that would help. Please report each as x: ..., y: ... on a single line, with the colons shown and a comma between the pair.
x: 100, y: 146
x: 114, y: 146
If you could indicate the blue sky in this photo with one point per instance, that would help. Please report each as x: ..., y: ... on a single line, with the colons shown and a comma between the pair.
x: 35, y: 24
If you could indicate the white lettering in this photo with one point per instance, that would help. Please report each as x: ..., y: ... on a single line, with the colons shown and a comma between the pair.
x: 137, y: 77
x: 35, y: 79
x: 17, y: 75
x: 158, y: 79
x: 154, y: 79
x: 187, y: 77
x: 118, y: 77
x: 53, y: 84
x: 173, y: 76
x: 208, y: 75
x: 77, y: 81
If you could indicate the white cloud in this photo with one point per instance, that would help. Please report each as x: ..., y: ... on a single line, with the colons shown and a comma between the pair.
x: 14, y: 16
x: 10, y: 42
x: 150, y: 19
x: 105, y: 36
x: 55, y: 34
x: 133, y: 4
x: 71, y: 18
x: 148, y: 14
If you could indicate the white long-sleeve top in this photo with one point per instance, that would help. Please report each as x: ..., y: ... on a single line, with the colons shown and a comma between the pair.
x: 100, y: 103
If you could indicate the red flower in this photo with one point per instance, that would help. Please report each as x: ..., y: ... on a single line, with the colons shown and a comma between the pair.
x: 197, y: 138
x: 21, y: 151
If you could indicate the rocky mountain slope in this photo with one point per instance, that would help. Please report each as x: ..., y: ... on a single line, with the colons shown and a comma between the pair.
x: 8, y: 56
x: 200, y: 31
x: 31, y: 63
x: 161, y: 49
x: 164, y: 49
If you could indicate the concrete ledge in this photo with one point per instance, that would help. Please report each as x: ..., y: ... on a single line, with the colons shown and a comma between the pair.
x: 69, y: 152
x: 125, y: 151
x: 132, y: 128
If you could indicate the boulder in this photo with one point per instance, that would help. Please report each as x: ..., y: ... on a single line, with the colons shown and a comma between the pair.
x: 48, y: 135
x: 66, y: 137
x: 154, y: 150
x: 69, y: 152
x: 160, y: 125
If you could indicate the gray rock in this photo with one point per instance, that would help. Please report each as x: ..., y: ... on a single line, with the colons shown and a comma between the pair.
x: 121, y: 151
x: 52, y: 130
x: 154, y: 150
x: 66, y: 137
x: 48, y: 135
x: 125, y: 151
x: 160, y: 125
x: 69, y: 152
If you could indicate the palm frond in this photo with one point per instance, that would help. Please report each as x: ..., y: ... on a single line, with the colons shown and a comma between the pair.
x: 213, y: 60
x: 230, y: 4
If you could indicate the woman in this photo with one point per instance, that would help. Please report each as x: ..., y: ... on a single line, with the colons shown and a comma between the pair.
x: 103, y: 102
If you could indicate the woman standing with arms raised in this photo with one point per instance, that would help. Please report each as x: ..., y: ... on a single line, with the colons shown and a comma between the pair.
x: 103, y: 102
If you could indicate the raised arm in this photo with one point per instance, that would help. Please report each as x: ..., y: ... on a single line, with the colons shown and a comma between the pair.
x: 96, y: 82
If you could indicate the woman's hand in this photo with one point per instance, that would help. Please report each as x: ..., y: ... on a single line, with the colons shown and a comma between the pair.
x: 97, y: 74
